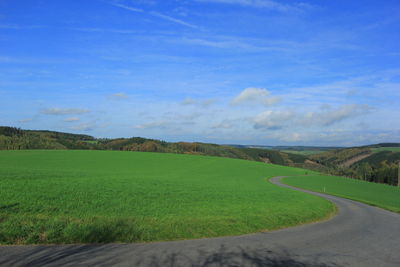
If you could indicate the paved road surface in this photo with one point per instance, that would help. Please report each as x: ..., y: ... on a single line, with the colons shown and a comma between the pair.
x: 359, y: 235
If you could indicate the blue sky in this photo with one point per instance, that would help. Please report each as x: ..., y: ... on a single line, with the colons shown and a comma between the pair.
x: 263, y: 72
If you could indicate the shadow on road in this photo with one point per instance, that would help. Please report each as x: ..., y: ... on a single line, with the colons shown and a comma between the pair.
x: 108, y: 255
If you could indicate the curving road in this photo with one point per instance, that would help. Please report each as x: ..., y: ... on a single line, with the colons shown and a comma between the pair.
x: 359, y: 235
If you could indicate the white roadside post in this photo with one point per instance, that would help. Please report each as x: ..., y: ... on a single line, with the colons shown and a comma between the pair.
x: 398, y: 176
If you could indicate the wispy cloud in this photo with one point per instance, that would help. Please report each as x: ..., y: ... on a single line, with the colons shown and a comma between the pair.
x: 188, y: 101
x: 203, y: 103
x: 337, y: 137
x: 255, y: 96
x: 72, y: 119
x: 19, y: 27
x: 149, y: 125
x: 81, y: 29
x: 225, y: 124
x: 325, y: 116
x: 128, y: 7
x: 25, y: 120
x: 178, y: 21
x: 226, y: 42
x: 118, y: 96
x: 83, y: 127
x: 102, y: 30
x: 268, y: 4
x: 64, y: 111
x: 331, y: 116
x: 156, y: 14
x: 272, y: 120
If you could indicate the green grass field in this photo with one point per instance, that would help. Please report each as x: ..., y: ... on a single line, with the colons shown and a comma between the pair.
x: 104, y: 196
x: 392, y: 149
x: 381, y: 195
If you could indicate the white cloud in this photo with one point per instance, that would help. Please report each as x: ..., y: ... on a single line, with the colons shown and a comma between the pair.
x: 326, y: 116
x: 207, y: 102
x: 102, y: 30
x: 83, y: 127
x: 178, y: 21
x: 330, y: 116
x: 238, y: 43
x: 150, y: 125
x: 305, y: 136
x: 268, y: 4
x: 255, y: 96
x: 18, y: 27
x: 25, y: 120
x: 128, y: 8
x: 157, y: 14
x: 272, y: 120
x: 72, y: 119
x: 203, y: 103
x: 64, y: 111
x: 337, y: 137
x: 220, y: 43
x: 289, y: 137
x: 118, y: 96
x: 223, y: 125
x: 188, y: 101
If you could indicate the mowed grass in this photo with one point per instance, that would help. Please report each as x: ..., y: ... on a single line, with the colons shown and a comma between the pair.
x: 105, y: 196
x: 381, y: 195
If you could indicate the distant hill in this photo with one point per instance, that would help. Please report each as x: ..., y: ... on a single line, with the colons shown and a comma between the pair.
x: 376, y: 163
x: 294, y: 148
x: 300, y: 150
x: 14, y: 138
x: 386, y: 145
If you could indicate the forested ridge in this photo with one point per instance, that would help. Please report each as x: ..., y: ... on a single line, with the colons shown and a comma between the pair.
x: 371, y: 163
x: 14, y: 138
x: 364, y: 163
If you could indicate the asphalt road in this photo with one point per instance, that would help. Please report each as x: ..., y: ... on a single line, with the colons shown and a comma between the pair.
x: 359, y: 235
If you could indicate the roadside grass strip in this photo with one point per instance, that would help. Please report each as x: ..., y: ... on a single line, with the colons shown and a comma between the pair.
x: 380, y: 195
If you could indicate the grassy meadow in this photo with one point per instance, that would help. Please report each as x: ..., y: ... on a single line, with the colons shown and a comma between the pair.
x: 381, y: 195
x: 69, y: 196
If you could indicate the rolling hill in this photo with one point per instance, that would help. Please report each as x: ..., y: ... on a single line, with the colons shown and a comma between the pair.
x: 374, y: 163
x: 77, y: 196
x: 17, y: 139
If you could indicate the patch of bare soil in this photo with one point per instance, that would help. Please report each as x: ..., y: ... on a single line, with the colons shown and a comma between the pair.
x: 265, y: 160
x: 351, y: 161
x: 307, y: 161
